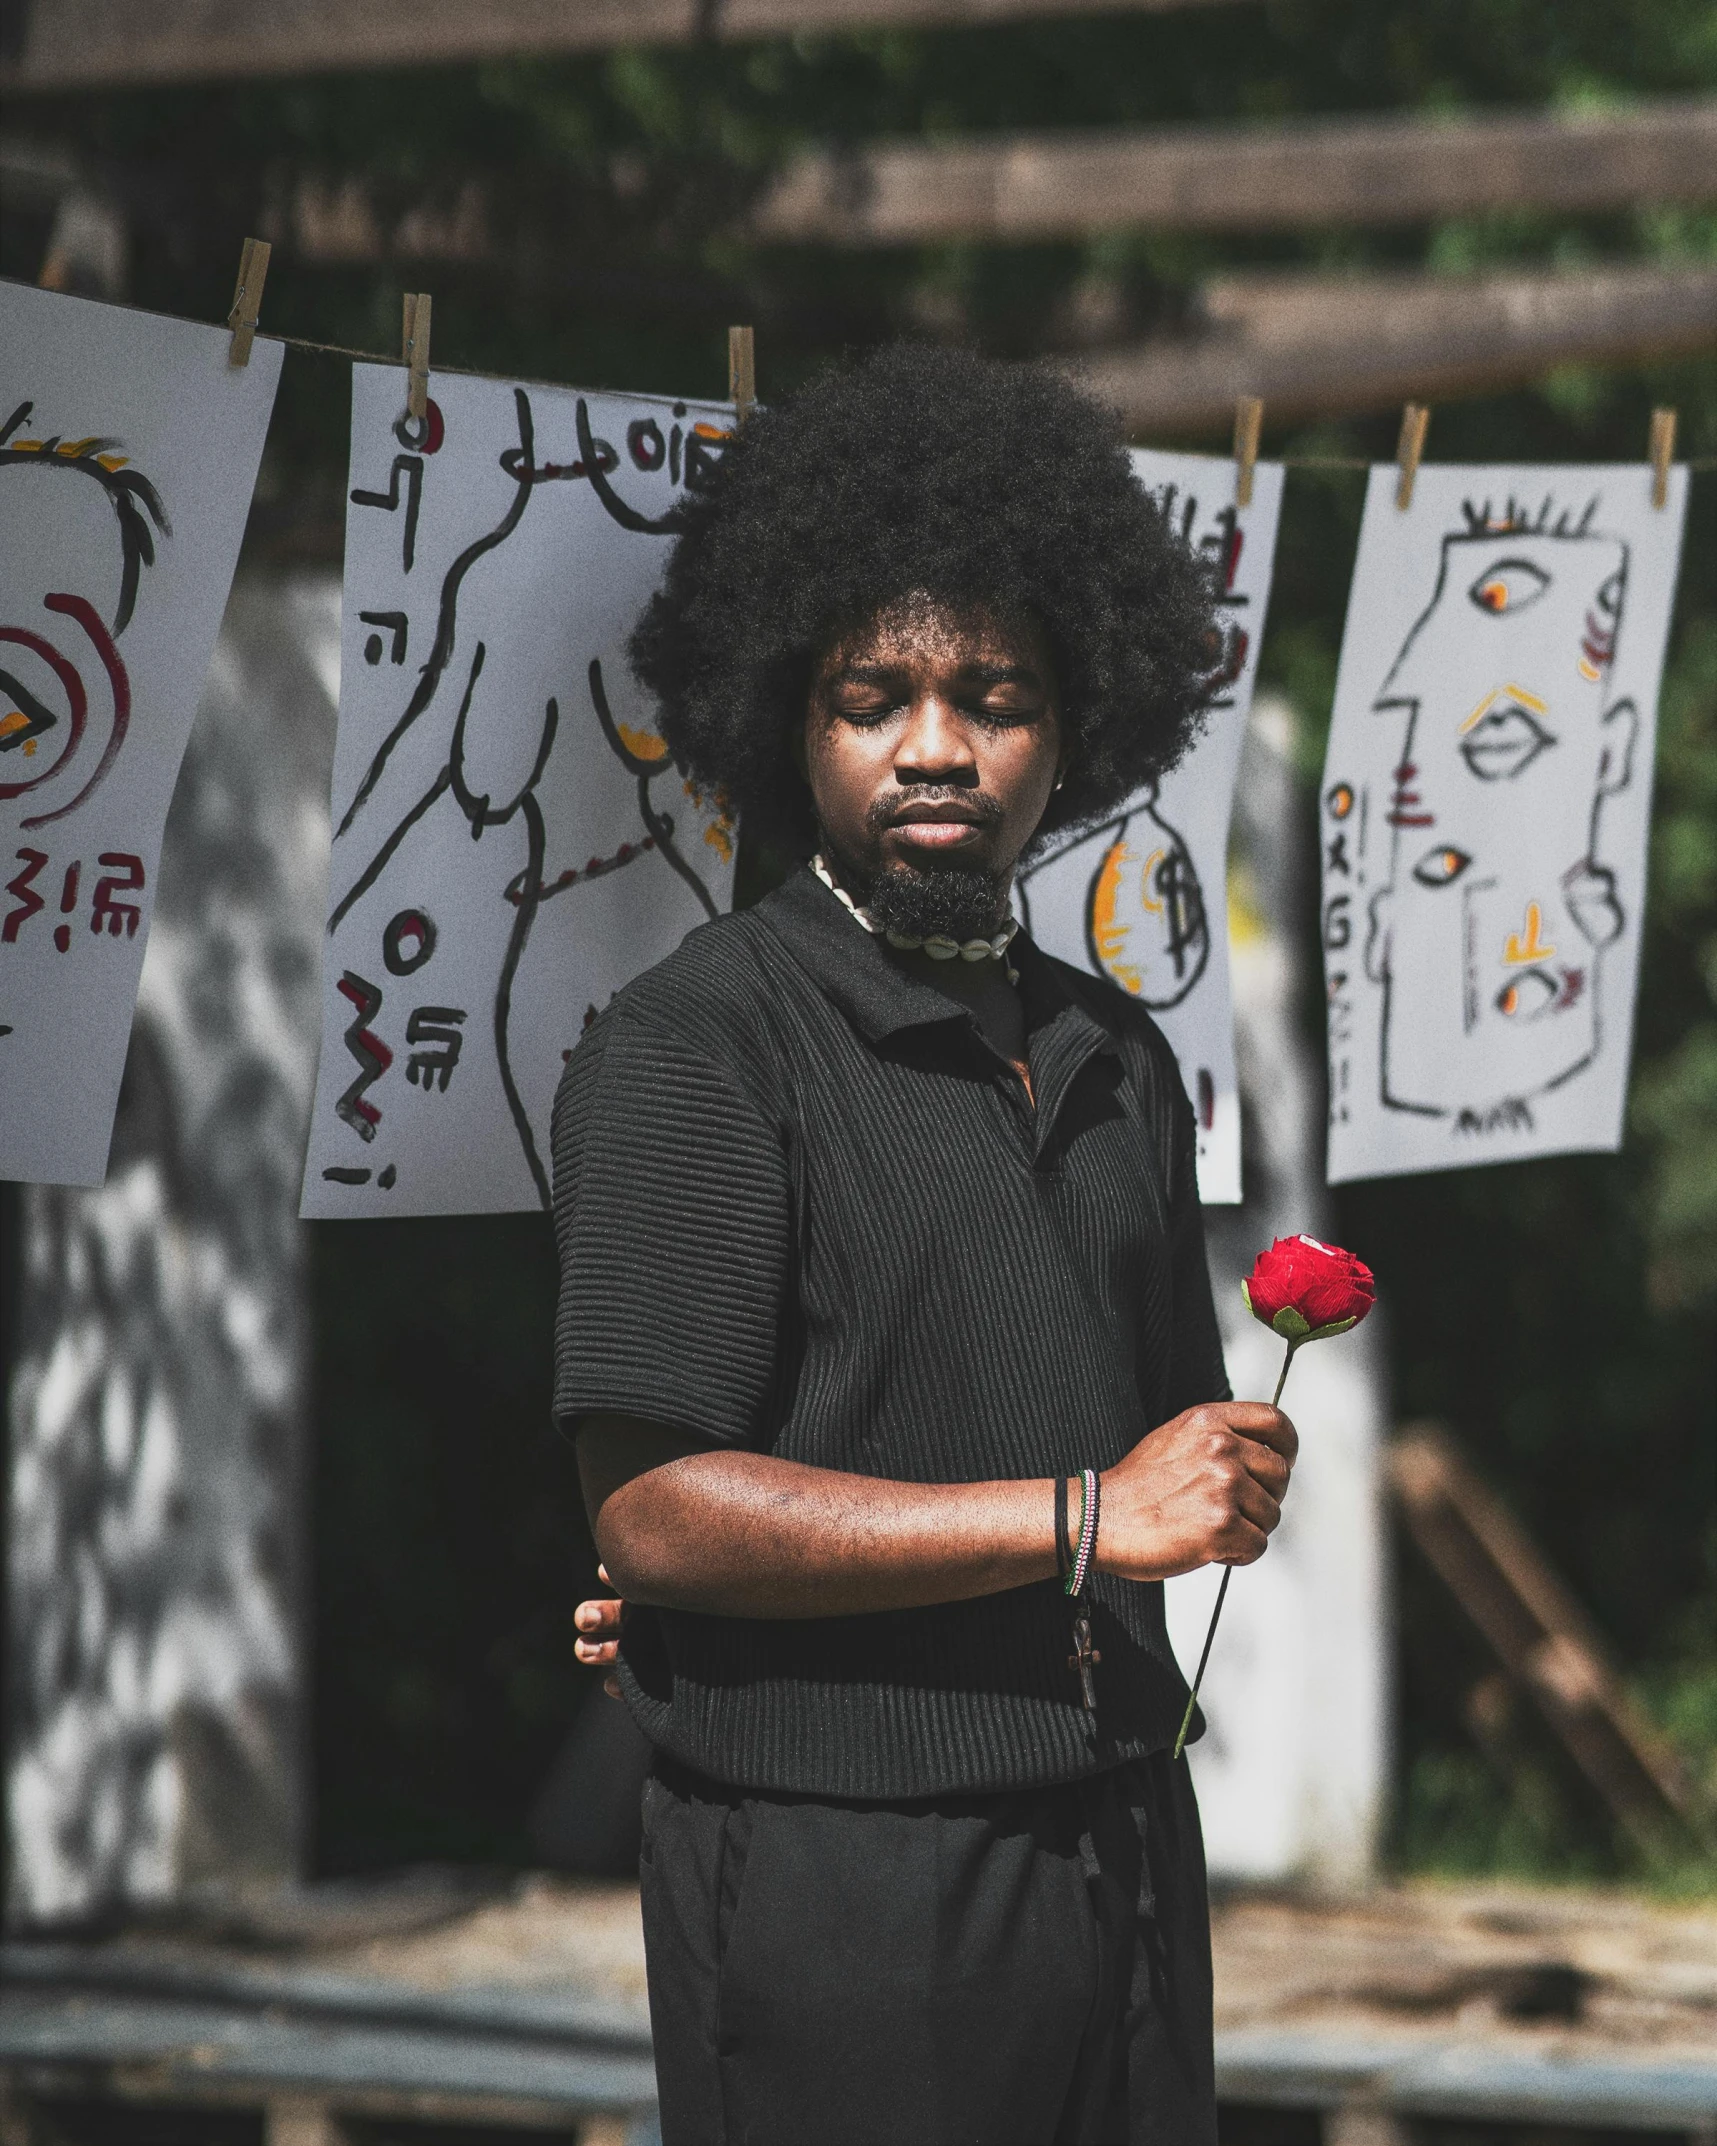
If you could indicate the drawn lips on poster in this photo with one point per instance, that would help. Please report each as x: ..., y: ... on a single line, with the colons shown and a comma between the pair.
x: 65, y: 694
x: 1490, y: 926
x: 498, y: 766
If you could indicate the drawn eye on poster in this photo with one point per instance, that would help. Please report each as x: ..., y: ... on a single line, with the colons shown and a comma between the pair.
x: 1143, y: 898
x: 1485, y: 811
x: 128, y: 454
x: 512, y: 841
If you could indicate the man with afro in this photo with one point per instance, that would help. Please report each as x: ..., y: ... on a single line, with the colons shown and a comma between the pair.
x: 885, y: 1331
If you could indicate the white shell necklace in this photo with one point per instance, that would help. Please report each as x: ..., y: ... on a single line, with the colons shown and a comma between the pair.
x: 938, y: 945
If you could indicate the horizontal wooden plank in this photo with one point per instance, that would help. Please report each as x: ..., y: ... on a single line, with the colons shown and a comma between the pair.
x: 1460, y: 2078
x: 185, y: 2044
x: 1316, y: 344
x: 1389, y: 168
x: 547, y: 2012
x: 86, y: 44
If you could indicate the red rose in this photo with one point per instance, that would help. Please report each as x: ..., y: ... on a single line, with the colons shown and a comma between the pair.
x: 1302, y: 1290
x: 1305, y: 1290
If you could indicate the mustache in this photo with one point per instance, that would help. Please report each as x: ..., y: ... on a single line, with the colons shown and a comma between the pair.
x: 982, y: 807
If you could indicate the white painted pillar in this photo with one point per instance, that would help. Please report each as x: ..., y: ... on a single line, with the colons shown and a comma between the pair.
x: 1292, y: 1772
x: 155, y: 1652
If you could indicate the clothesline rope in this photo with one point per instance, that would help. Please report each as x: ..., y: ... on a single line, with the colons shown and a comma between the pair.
x: 469, y: 372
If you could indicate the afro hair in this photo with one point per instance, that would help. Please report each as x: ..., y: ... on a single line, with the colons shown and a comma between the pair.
x: 947, y: 474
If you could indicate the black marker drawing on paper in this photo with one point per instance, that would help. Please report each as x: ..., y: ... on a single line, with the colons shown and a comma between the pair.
x: 1489, y: 907
x: 65, y: 691
x: 372, y: 1055
x: 63, y: 681
x: 1146, y: 924
x: 437, y: 1033
x: 1141, y: 899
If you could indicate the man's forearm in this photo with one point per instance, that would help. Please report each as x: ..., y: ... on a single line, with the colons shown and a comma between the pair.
x: 743, y: 1534
x: 748, y: 1535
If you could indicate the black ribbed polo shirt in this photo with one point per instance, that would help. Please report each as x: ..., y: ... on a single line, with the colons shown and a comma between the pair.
x: 803, y: 1207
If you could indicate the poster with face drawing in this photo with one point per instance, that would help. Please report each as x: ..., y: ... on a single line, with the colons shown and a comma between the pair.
x: 512, y: 842
x: 1143, y: 898
x: 1484, y: 815
x: 128, y: 454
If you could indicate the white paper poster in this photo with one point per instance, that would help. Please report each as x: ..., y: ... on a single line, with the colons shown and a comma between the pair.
x: 512, y: 842
x: 1485, y: 810
x: 128, y: 454
x: 1143, y: 898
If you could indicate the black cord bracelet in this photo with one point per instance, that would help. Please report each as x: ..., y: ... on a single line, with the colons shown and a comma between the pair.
x: 1063, y: 1541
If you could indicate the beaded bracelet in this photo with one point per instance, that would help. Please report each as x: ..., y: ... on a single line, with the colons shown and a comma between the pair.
x: 1089, y: 1495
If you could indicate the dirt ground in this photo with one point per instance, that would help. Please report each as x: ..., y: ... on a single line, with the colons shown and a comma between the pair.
x: 1578, y: 1971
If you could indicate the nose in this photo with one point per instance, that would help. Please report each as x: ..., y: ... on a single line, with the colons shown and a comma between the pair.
x: 934, y: 745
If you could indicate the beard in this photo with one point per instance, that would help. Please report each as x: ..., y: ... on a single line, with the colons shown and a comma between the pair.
x: 952, y: 902
x: 923, y: 901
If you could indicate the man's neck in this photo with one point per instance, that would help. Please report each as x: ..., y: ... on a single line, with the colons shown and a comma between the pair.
x: 982, y: 988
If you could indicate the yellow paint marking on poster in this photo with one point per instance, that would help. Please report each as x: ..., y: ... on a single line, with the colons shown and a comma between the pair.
x: 1107, y: 931
x: 1512, y: 692
x: 642, y: 744
x: 1523, y: 950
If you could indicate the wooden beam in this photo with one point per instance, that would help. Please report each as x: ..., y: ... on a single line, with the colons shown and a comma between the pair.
x: 1537, y: 1631
x: 90, y: 44
x: 1387, y: 169
x: 1310, y: 345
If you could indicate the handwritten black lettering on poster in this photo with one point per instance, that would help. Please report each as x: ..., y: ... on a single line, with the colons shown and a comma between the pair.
x: 512, y: 840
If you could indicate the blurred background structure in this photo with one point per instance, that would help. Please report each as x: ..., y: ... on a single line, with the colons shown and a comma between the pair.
x: 292, y: 1548
x: 156, y: 1640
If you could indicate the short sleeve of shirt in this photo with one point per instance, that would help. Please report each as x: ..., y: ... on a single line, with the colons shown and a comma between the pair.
x: 671, y: 1216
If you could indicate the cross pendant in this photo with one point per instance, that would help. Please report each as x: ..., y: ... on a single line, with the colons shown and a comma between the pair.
x: 1084, y: 1658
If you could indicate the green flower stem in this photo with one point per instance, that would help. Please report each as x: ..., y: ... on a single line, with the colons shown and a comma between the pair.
x: 1222, y: 1591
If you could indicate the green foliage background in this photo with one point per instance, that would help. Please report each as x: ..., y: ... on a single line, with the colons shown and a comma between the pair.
x: 1559, y: 1315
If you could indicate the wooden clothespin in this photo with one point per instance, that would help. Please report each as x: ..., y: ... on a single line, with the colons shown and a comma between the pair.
x: 1662, y: 454
x: 1248, y: 425
x: 415, y: 350
x: 741, y: 372
x: 1415, y: 423
x: 247, y: 299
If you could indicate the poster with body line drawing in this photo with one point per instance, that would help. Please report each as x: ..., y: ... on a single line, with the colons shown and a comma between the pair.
x: 1143, y: 898
x: 129, y: 449
x: 1485, y: 811
x: 512, y: 841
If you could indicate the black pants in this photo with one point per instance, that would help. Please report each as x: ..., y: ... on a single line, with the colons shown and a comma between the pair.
x: 1028, y: 1969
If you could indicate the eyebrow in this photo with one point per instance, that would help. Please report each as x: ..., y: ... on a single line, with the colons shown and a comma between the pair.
x: 1002, y: 674
x: 867, y: 674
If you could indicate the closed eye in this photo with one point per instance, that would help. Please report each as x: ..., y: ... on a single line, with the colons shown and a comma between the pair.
x: 865, y: 715
x: 1509, y: 585
x: 1441, y: 867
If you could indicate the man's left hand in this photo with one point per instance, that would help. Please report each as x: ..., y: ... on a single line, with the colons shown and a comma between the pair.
x: 598, y: 1642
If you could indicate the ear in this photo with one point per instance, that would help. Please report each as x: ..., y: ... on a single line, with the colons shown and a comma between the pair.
x: 1616, y: 760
